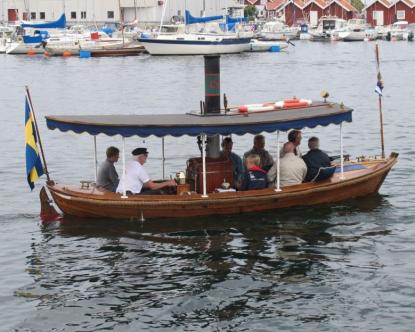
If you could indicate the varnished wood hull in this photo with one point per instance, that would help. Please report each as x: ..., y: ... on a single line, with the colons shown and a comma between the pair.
x: 93, y: 204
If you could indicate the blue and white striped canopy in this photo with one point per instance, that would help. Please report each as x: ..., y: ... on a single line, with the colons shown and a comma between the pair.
x: 320, y: 114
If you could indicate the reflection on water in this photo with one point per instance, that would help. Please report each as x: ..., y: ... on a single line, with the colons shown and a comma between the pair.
x: 216, y: 272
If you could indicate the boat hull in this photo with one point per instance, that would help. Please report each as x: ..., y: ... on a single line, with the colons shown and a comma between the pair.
x: 92, y: 204
x: 22, y: 48
x: 191, y: 47
x: 265, y: 46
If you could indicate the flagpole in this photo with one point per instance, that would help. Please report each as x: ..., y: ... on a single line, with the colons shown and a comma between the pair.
x: 380, y: 85
x: 37, y: 133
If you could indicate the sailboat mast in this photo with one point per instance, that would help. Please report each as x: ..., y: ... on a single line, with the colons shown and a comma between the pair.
x: 162, y: 16
x: 121, y: 22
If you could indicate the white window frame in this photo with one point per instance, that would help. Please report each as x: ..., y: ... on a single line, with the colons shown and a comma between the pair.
x: 400, y: 14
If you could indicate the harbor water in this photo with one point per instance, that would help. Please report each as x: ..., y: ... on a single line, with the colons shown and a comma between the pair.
x: 342, y: 267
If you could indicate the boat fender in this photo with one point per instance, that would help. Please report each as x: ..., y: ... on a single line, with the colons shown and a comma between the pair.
x: 256, y: 107
x: 296, y: 103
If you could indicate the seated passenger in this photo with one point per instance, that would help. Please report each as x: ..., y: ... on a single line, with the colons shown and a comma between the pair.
x: 258, y: 148
x: 292, y: 168
x: 107, y: 178
x: 254, y: 177
x: 237, y: 165
x: 294, y: 136
x: 315, y: 159
x: 137, y: 181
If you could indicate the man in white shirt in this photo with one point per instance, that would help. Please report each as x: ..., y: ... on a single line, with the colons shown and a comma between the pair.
x: 292, y: 168
x: 136, y: 180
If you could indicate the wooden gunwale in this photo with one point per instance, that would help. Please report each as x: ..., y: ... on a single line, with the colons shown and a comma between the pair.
x: 224, y: 199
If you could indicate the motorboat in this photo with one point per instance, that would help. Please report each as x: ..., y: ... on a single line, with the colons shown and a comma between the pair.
x: 399, y: 31
x: 278, y: 30
x: 356, y: 30
x: 72, y: 44
x: 257, y: 45
x: 328, y: 29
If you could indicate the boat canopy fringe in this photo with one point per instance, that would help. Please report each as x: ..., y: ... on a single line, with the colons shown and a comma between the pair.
x: 58, y: 24
x: 192, y: 20
x: 190, y: 124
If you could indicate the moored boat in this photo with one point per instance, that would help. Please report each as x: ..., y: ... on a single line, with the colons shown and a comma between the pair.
x: 328, y: 29
x: 399, y: 31
x: 278, y: 30
x: 30, y: 37
x: 356, y: 30
x: 200, y: 35
x: 257, y: 45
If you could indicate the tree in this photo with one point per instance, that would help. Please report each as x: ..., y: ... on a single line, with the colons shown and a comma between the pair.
x: 358, y: 5
x: 250, y: 11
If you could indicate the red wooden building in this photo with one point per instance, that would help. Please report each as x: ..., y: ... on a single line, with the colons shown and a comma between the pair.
x: 378, y: 13
x: 340, y: 8
x: 403, y: 10
x: 313, y: 10
x: 293, y: 12
x: 383, y: 12
x: 273, y: 8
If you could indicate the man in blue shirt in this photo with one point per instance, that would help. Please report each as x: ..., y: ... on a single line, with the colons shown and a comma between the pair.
x: 237, y: 165
x: 315, y: 158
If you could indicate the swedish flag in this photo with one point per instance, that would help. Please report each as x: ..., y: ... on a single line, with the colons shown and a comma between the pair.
x: 34, y: 167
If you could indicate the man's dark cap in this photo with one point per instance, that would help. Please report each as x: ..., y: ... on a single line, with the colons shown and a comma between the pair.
x: 139, y: 151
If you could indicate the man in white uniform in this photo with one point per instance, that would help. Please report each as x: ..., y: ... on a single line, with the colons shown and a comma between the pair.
x: 136, y: 180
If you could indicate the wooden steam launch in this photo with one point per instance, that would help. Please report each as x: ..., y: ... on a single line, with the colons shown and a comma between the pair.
x: 352, y: 178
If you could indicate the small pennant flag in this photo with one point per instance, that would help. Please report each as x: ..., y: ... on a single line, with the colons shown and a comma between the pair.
x: 34, y: 167
x: 379, y: 85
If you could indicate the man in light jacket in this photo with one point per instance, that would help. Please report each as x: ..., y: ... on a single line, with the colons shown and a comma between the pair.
x: 292, y: 168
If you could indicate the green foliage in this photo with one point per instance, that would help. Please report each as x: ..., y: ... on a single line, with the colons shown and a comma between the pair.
x: 358, y: 4
x: 250, y: 11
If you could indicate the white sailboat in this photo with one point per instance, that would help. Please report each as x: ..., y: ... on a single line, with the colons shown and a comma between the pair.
x: 198, y: 36
x: 30, y: 37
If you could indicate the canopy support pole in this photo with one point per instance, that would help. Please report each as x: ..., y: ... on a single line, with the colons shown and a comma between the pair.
x: 204, y: 195
x: 278, y: 162
x: 341, y: 153
x: 162, y: 156
x: 124, y: 194
x: 95, y: 159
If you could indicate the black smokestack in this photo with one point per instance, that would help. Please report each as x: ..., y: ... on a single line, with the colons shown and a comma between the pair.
x: 212, y: 84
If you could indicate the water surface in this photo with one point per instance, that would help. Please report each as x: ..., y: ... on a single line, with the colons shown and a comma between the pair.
x: 330, y: 268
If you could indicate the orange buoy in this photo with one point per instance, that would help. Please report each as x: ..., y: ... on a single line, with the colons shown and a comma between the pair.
x: 296, y: 105
x: 31, y: 52
x: 66, y: 53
